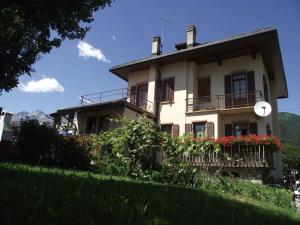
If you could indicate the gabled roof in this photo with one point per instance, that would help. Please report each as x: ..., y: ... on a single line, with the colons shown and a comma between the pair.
x: 264, y: 41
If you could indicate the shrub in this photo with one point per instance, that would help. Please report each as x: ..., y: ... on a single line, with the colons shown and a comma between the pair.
x: 128, y: 149
x: 41, y: 144
x: 36, y: 142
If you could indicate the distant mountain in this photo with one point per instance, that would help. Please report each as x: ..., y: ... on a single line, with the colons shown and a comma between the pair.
x: 289, y: 127
x: 37, y: 115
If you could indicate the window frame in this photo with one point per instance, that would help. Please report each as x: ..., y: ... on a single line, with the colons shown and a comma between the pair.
x: 145, y: 98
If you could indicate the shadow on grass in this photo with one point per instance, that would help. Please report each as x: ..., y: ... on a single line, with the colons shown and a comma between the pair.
x: 42, y: 196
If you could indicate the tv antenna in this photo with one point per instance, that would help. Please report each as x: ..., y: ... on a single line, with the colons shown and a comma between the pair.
x: 163, y: 22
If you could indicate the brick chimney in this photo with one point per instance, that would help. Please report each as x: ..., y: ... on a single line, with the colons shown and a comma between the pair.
x: 191, y: 36
x: 156, y: 45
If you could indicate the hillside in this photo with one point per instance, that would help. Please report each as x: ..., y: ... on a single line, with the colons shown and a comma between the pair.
x: 35, y: 195
x: 289, y: 127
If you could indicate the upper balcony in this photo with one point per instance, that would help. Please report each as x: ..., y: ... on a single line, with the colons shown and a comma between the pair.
x: 138, y: 100
x: 223, y: 102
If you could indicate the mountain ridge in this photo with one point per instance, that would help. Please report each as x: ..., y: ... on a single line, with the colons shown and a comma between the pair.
x: 39, y: 115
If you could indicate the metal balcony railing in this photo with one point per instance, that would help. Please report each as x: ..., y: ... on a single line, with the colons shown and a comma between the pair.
x: 122, y: 93
x: 220, y: 102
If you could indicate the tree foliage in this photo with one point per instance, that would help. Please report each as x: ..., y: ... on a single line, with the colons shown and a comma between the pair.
x: 290, y: 157
x: 31, y: 28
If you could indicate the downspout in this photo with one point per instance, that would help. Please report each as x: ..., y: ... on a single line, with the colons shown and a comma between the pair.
x: 157, y: 95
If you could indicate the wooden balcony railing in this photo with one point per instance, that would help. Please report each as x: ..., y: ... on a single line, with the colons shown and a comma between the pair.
x: 122, y: 93
x: 249, y: 156
x: 219, y: 102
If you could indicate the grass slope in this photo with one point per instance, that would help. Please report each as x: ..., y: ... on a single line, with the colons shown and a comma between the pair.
x: 34, y: 195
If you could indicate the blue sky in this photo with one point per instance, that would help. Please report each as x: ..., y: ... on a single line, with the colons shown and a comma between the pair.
x: 123, y: 32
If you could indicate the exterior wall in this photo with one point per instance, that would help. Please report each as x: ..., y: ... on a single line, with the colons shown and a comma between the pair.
x: 129, y: 113
x: 174, y: 112
x: 186, y: 75
x: 217, y: 72
x: 247, y: 117
x: 138, y: 77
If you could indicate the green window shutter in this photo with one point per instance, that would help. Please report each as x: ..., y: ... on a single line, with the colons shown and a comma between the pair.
x: 228, y: 130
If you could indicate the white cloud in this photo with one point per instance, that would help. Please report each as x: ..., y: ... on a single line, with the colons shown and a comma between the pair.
x: 114, y: 38
x: 44, y: 85
x: 86, y: 50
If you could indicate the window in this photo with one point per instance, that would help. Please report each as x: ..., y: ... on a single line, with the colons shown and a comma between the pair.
x: 91, y: 125
x: 239, y: 85
x: 199, y: 129
x: 133, y: 95
x: 240, y: 89
x: 166, y: 128
x: 168, y: 89
x: 240, y: 128
x: 142, y: 94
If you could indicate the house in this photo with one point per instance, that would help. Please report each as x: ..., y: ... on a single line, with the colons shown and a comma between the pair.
x: 6, y: 130
x: 208, y: 89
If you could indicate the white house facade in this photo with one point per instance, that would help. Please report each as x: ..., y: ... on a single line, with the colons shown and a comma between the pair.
x: 207, y: 89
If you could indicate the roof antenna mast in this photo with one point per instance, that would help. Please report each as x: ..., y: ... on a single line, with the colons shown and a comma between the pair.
x: 163, y: 22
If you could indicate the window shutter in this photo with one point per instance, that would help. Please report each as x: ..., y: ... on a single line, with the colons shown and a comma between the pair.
x: 160, y: 91
x: 210, y: 129
x: 268, y: 130
x: 227, y: 81
x: 266, y: 91
x: 171, y: 89
x: 253, y: 128
x: 175, y: 130
x: 133, y: 95
x: 228, y: 130
x: 228, y: 91
x: 250, y: 81
x: 188, y: 128
x: 204, y: 87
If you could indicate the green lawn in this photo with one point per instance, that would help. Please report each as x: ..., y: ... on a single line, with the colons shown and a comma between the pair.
x: 35, y: 195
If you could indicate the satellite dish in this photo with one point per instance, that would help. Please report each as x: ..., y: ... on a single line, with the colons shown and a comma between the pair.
x: 262, y: 109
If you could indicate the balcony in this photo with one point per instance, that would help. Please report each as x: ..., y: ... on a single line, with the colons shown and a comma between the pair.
x: 241, y: 156
x: 118, y: 94
x: 222, y: 102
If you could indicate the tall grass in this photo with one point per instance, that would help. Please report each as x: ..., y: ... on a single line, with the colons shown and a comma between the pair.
x: 35, y: 195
